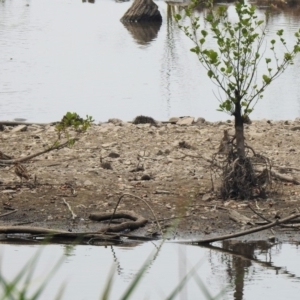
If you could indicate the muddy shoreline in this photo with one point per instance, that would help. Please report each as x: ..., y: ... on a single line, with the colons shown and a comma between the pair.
x: 159, y: 164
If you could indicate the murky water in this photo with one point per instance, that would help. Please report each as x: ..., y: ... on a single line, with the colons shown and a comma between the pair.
x: 239, y: 270
x: 72, y: 55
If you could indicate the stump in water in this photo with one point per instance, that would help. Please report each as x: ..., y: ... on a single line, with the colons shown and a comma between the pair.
x: 142, y: 11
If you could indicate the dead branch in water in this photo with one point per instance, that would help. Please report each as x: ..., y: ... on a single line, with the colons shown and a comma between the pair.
x: 107, y: 234
x: 241, y: 233
x: 268, y: 221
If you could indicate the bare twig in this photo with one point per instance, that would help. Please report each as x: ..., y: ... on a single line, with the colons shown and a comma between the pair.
x: 8, y: 213
x: 257, y: 213
x: 70, y: 209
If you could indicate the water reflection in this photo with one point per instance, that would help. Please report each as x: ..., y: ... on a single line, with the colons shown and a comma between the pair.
x: 242, y: 258
x: 57, y: 67
x: 143, y: 33
x: 255, y: 270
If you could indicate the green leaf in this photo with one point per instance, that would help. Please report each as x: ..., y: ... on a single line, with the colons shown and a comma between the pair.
x: 268, y: 60
x: 204, y: 33
x: 177, y: 17
x: 210, y: 73
x: 280, y: 32
x: 266, y: 79
x: 287, y: 56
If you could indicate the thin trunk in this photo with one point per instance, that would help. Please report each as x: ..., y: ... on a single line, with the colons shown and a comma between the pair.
x: 239, y: 126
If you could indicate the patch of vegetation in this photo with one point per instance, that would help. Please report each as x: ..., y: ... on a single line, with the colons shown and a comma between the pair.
x: 74, y: 121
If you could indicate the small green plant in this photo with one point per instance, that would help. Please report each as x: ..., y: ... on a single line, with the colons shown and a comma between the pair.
x: 75, y: 121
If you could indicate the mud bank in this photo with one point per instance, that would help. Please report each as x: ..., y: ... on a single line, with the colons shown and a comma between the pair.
x: 166, y: 165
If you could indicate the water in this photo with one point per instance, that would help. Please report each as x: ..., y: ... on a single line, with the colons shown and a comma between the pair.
x: 71, y: 55
x: 257, y: 270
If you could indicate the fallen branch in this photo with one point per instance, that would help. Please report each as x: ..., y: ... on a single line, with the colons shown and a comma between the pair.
x: 131, y: 237
x: 257, y: 213
x: 239, y: 218
x: 137, y: 221
x: 268, y: 221
x: 18, y: 160
x: 127, y: 194
x: 241, y: 233
x: 285, y: 177
x: 70, y: 209
x: 8, y: 213
x: 52, y: 234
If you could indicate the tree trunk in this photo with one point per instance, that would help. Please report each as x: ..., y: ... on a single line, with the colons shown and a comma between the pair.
x: 239, y: 126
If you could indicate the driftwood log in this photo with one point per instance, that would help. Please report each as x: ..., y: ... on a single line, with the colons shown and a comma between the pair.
x: 142, y: 11
x: 136, y: 220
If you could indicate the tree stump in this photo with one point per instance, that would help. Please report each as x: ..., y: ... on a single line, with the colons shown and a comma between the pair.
x: 142, y: 11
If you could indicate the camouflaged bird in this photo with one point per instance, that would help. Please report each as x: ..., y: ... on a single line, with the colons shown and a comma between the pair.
x: 225, y: 145
x: 21, y: 172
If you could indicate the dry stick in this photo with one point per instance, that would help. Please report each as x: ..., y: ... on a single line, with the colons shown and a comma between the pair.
x: 285, y: 178
x: 241, y: 233
x: 18, y: 160
x: 267, y: 220
x: 127, y: 194
x: 130, y: 236
x: 8, y: 213
x: 213, y: 206
x: 30, y: 230
x: 257, y: 213
x: 39, y: 231
x: 161, y: 220
x: 70, y: 209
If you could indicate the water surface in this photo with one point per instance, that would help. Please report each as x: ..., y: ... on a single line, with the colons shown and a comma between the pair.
x: 71, y: 55
x: 256, y: 270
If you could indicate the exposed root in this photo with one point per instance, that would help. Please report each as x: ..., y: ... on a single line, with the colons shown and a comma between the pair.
x: 242, y: 177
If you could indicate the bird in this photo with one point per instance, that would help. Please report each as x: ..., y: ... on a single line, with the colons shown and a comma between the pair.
x: 225, y: 146
x: 21, y: 172
x: 263, y: 178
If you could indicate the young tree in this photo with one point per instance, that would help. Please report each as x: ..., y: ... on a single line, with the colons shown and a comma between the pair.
x: 232, y: 63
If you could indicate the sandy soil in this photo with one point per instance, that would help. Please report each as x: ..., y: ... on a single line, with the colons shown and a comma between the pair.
x: 148, y: 162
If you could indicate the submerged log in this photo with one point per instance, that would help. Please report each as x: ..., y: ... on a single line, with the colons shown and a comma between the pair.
x: 142, y: 11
